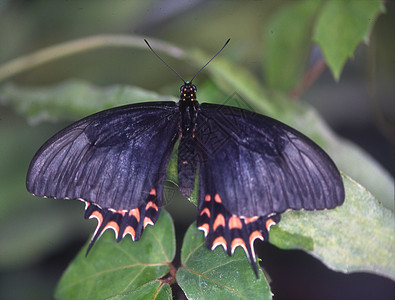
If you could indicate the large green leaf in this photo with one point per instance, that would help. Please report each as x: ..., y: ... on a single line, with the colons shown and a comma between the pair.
x: 286, y: 43
x: 357, y: 236
x: 341, y: 26
x: 123, y: 270
x: 206, y: 274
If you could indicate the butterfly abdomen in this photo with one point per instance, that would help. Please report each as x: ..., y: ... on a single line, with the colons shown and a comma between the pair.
x: 187, y: 149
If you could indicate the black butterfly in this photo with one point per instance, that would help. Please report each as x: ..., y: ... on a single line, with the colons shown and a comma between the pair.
x: 251, y: 168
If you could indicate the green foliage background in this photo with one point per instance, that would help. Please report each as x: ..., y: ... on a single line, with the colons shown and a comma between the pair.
x: 265, y: 61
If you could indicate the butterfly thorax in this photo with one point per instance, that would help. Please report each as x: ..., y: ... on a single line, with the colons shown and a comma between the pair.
x: 188, y: 108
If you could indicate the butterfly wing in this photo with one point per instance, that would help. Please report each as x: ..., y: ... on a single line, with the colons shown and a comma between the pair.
x: 253, y: 167
x: 115, y: 161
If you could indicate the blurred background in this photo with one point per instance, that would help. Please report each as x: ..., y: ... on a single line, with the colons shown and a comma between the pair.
x: 39, y: 237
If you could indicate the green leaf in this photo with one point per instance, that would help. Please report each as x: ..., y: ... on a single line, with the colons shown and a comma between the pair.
x: 286, y: 42
x: 357, y: 236
x: 153, y: 290
x: 341, y: 26
x: 122, y: 269
x: 72, y: 99
x: 206, y: 274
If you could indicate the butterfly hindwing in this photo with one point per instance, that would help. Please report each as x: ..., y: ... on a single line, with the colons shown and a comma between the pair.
x: 115, y: 161
x: 222, y: 228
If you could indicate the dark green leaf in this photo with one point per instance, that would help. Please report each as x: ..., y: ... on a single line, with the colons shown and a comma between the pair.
x: 341, y: 26
x: 121, y: 269
x: 286, y: 43
x: 209, y: 274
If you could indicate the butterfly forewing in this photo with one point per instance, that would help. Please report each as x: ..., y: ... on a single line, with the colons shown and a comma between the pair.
x: 96, y: 159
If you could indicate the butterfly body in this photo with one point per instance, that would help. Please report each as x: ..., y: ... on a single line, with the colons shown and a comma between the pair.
x: 250, y: 168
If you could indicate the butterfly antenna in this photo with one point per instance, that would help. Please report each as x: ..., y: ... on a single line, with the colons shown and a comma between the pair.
x: 210, y: 60
x: 157, y: 55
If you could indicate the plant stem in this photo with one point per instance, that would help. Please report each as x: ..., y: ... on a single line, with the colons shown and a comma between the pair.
x: 58, y: 51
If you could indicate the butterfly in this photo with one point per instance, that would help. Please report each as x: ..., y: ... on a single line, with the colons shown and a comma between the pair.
x: 250, y: 168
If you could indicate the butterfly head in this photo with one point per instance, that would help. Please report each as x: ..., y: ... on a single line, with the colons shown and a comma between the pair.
x: 188, y: 92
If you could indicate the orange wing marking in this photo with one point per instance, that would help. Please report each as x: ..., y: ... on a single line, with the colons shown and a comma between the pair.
x: 255, y: 235
x: 97, y: 215
x: 147, y: 221
x: 129, y: 230
x: 269, y: 223
x: 219, y: 221
x: 219, y: 241
x: 151, y: 204
x: 121, y: 212
x: 136, y: 213
x: 207, y: 198
x: 238, y: 242
x: 114, y: 226
x: 206, y: 211
x: 217, y: 198
x: 235, y: 222
x: 153, y: 192
x: 205, y: 228
x: 250, y: 220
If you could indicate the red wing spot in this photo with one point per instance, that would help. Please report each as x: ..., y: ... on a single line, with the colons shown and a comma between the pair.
x: 136, y: 213
x: 235, y: 223
x: 97, y: 215
x: 87, y: 204
x: 205, y: 228
x: 207, y: 198
x: 238, y: 242
x: 206, y: 211
x: 255, y: 235
x: 269, y: 223
x: 219, y: 241
x: 219, y: 221
x: 250, y: 220
x: 129, y: 230
x: 217, y: 198
x: 147, y: 221
x: 151, y: 204
x: 185, y: 89
x: 114, y: 225
x: 153, y: 192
